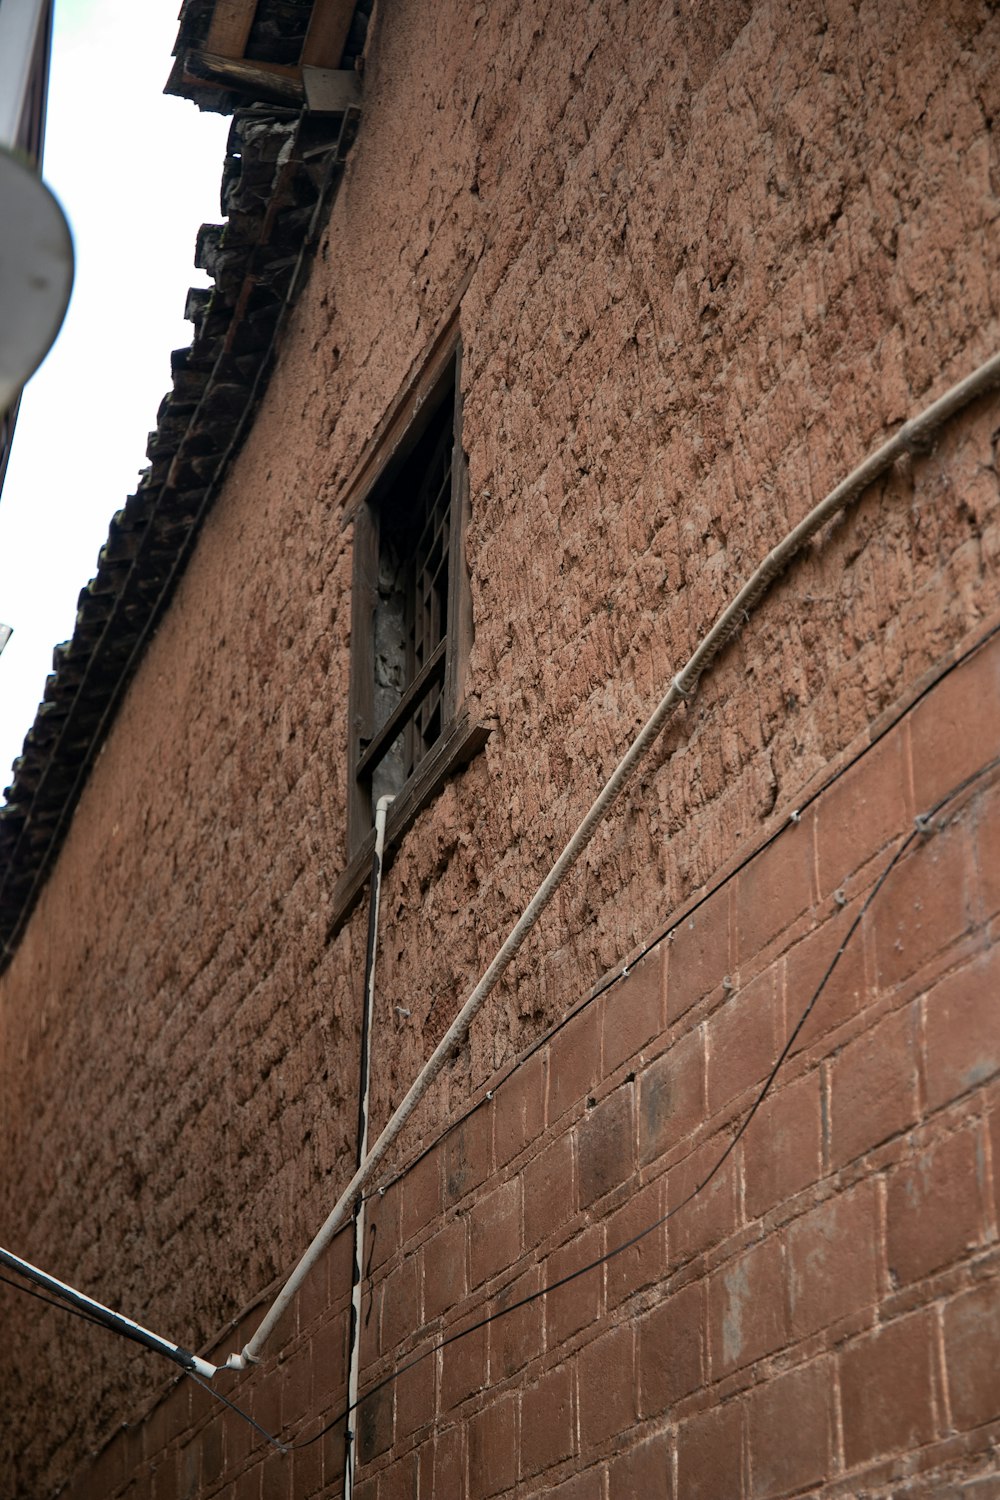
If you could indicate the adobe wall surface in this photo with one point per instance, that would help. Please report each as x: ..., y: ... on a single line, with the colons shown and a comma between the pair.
x: 716, y: 254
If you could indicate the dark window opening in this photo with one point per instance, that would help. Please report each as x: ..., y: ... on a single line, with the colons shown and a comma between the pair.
x: 411, y: 615
x: 414, y: 722
x: 410, y: 623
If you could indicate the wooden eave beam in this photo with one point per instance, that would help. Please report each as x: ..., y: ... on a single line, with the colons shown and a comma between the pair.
x: 220, y: 63
x: 326, y: 36
x: 262, y: 79
x: 232, y: 21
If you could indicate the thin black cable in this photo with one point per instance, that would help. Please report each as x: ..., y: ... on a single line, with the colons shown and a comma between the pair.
x: 921, y: 828
x: 106, y: 1316
x: 77, y: 1312
x: 672, y: 926
x: 51, y: 1302
x: 275, y: 1442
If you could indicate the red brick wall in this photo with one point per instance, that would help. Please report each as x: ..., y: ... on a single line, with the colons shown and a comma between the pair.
x: 823, y: 1318
x: 714, y: 254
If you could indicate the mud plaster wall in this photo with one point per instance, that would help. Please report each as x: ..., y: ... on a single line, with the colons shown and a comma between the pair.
x: 716, y: 253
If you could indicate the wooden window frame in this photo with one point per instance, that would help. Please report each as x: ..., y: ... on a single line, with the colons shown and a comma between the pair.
x: 464, y: 732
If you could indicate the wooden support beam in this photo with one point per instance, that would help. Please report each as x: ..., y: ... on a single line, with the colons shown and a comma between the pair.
x: 263, y: 80
x: 329, y: 28
x: 230, y: 28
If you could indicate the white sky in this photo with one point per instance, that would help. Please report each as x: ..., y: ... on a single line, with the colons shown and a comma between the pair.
x: 136, y: 174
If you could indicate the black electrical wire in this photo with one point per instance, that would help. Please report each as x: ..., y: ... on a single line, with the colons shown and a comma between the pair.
x: 275, y: 1442
x: 921, y: 829
x: 616, y: 978
x: 86, y: 1317
x: 106, y: 1316
x: 51, y: 1302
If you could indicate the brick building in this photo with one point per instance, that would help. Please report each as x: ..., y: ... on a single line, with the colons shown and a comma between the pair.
x: 534, y: 330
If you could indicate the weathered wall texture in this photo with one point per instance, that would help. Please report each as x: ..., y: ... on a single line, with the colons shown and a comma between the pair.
x: 716, y: 253
x: 822, y: 1317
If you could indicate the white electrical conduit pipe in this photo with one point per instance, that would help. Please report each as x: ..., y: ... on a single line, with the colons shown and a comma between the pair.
x: 106, y: 1317
x: 911, y: 437
x: 354, y: 1360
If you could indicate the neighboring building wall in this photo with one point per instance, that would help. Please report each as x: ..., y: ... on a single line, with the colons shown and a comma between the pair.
x: 715, y: 254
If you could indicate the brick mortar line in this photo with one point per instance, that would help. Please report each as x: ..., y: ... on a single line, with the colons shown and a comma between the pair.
x: 702, y: 1269
x: 716, y: 1124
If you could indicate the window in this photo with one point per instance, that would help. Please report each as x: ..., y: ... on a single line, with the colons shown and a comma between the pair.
x: 410, y: 723
x: 410, y: 607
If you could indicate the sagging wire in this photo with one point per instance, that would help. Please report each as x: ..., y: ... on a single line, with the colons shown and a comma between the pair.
x: 923, y: 826
x: 364, y: 1115
x: 912, y: 437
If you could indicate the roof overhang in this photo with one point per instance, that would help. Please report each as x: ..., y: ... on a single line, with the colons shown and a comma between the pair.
x: 232, y: 51
x: 284, y: 163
